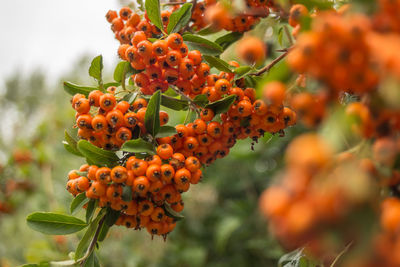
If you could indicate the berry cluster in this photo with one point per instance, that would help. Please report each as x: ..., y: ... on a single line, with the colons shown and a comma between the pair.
x: 110, y: 123
x: 315, y: 192
x: 343, y: 65
x: 153, y: 183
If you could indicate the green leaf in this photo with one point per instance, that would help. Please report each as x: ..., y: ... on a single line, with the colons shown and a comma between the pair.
x: 205, y: 46
x: 173, y: 103
x: 123, y: 69
x: 152, y: 116
x: 291, y: 258
x: 226, y: 40
x: 127, y: 193
x: 166, y: 131
x: 54, y: 223
x: 130, y: 97
x: 207, y: 30
x: 200, y: 100
x: 96, y: 68
x: 224, y: 231
x: 180, y: 18
x: 91, y: 207
x: 111, y: 216
x: 92, y: 260
x: 171, y: 213
x: 138, y: 146
x: 70, y: 144
x: 218, y: 63
x: 242, y: 71
x: 222, y: 105
x: 106, y: 85
x: 73, y: 89
x: 280, y: 35
x: 97, y: 155
x: 103, y: 232
x: 153, y: 12
x: 78, y: 202
x: 87, y: 237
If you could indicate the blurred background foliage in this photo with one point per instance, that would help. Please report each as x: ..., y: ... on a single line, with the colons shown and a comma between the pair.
x: 222, y: 225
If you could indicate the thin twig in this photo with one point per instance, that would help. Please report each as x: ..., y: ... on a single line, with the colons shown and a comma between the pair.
x: 270, y: 65
x: 188, y: 99
x: 92, y: 245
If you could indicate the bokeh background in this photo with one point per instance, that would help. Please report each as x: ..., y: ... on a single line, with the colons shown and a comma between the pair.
x: 45, y: 42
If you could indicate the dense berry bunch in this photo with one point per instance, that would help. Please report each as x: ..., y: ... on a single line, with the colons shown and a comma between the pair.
x: 343, y: 65
x: 152, y: 183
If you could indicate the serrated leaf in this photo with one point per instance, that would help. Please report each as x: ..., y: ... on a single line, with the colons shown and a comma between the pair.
x: 218, y: 63
x: 96, y: 155
x: 73, y: 89
x: 127, y: 193
x: 222, y: 105
x: 226, y: 40
x: 72, y: 143
x: 54, y: 223
x: 138, y: 146
x: 96, y: 67
x: 180, y: 18
x: 130, y: 97
x: 153, y: 12
x: 166, y: 131
x: 206, y: 47
x: 78, y: 202
x: 87, y: 237
x: 200, y: 100
x: 152, y: 116
x: 173, y: 103
x: 171, y: 213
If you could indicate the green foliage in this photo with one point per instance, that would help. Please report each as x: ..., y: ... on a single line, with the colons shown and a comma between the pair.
x: 226, y: 40
x: 71, y: 145
x: 73, y: 89
x: 138, y: 146
x: 218, y: 63
x: 205, y: 46
x: 97, y: 156
x: 222, y: 105
x: 78, y: 202
x: 180, y: 18
x: 54, y: 223
x: 96, y: 68
x: 173, y: 103
x: 153, y: 12
x: 165, y: 131
x: 152, y: 116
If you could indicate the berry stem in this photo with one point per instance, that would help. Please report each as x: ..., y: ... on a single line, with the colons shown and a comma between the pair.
x: 270, y: 65
x: 191, y: 103
x: 92, y: 245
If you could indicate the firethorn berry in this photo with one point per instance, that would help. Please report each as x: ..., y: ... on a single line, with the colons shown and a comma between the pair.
x: 84, y: 121
x: 141, y: 185
x: 153, y: 172
x: 163, y: 117
x: 173, y: 58
x: 274, y: 93
x: 167, y: 173
x: 115, y: 118
x: 297, y: 12
x: 119, y: 174
x: 103, y: 175
x: 92, y: 172
x: 139, y: 103
x: 130, y: 119
x: 97, y: 188
x: 214, y: 129
x: 190, y: 143
x: 195, y: 56
x: 82, y: 106
x: 94, y: 98
x: 111, y: 15
x: 160, y: 48
x: 145, y: 208
x: 107, y: 102
x: 139, y: 167
x: 199, y: 126
x: 192, y: 164
x: 154, y: 159
x: 174, y: 41
x: 207, y: 114
x: 251, y: 50
x: 165, y: 151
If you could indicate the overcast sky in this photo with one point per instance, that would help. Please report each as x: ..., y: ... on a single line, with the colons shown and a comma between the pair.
x: 53, y: 34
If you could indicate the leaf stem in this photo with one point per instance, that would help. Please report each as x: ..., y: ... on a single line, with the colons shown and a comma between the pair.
x: 92, y: 245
